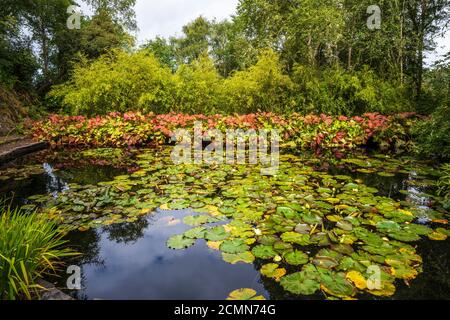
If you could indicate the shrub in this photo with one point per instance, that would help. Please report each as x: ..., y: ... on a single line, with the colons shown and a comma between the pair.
x: 117, y: 81
x: 303, y: 132
x: 197, y: 87
x: 30, y: 248
x: 263, y: 87
x: 337, y: 92
x: 432, y: 136
x: 444, y: 182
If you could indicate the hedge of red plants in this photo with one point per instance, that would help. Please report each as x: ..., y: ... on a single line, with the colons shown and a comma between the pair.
x: 134, y: 129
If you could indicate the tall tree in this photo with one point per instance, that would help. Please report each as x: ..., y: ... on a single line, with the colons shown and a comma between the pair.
x: 194, y: 42
x: 427, y: 19
x: 121, y: 11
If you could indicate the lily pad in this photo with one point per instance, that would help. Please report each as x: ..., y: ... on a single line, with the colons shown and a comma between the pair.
x: 244, y: 294
x: 179, y: 242
x: 296, y: 258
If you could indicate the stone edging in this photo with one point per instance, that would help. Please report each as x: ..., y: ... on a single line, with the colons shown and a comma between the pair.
x: 50, y: 292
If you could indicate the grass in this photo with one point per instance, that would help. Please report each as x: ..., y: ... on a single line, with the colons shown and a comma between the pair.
x: 30, y: 248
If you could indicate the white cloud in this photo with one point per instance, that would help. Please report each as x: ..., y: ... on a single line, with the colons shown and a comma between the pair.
x: 167, y: 17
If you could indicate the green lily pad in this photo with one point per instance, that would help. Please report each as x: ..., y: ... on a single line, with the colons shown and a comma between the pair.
x: 196, y: 221
x: 264, y: 252
x: 179, y: 242
x: 233, y: 258
x: 234, y: 246
x: 196, y: 233
x: 244, y: 294
x: 216, y: 234
x: 296, y: 258
x: 301, y: 283
x: 272, y: 270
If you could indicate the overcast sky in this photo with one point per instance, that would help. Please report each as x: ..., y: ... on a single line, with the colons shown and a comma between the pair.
x: 167, y: 17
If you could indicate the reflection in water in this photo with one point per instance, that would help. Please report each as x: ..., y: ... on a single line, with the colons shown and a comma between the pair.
x: 54, y: 184
x: 136, y: 264
x: 131, y: 260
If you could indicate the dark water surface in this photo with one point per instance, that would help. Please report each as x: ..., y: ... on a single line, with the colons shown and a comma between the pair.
x: 132, y: 261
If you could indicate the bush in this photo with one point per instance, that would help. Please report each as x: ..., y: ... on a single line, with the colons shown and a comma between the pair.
x: 30, y: 247
x: 302, y: 132
x: 117, y: 81
x: 444, y: 182
x: 263, y: 87
x: 432, y: 136
x: 337, y: 92
x: 197, y: 87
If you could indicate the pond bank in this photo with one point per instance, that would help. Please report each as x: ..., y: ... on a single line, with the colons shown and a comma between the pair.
x: 50, y: 292
x: 12, y: 147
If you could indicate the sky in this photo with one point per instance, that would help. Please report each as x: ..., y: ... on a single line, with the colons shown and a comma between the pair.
x: 167, y: 17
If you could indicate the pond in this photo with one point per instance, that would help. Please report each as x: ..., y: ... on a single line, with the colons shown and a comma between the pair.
x: 149, y: 229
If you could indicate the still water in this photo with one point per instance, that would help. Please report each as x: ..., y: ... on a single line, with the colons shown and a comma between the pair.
x: 132, y: 261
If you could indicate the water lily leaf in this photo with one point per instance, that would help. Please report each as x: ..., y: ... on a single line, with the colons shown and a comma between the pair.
x: 78, y: 208
x: 216, y: 234
x: 387, y: 289
x: 196, y: 233
x: 215, y: 245
x: 333, y: 200
x: 303, y: 228
x: 244, y: 294
x: 179, y: 242
x: 325, y: 262
x: 437, y: 236
x: 264, y: 252
x: 234, y: 246
x: 233, y: 258
x: 301, y: 283
x: 335, y: 284
x: 281, y: 246
x: 357, y: 279
x: 296, y: 258
x: 196, y: 221
x: 386, y: 174
x: 227, y: 210
x: 268, y: 239
x: 164, y: 207
x: 345, y: 225
x: 271, y: 270
x: 294, y: 237
x: 289, y: 213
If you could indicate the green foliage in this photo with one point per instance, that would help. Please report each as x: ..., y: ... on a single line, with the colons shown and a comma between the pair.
x: 30, y: 248
x: 101, y: 34
x: 444, y: 182
x: 197, y: 87
x: 194, y: 42
x: 432, y: 135
x: 263, y: 87
x: 337, y: 92
x: 117, y: 81
x: 163, y: 50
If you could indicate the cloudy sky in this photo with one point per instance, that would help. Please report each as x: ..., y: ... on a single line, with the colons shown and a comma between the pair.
x: 167, y: 17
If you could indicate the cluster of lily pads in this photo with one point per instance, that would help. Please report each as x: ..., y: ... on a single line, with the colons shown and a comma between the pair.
x: 310, y: 231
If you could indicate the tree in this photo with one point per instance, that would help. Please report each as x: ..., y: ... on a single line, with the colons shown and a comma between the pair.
x: 163, y: 50
x: 101, y: 34
x: 427, y: 19
x: 121, y: 11
x: 194, y: 42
